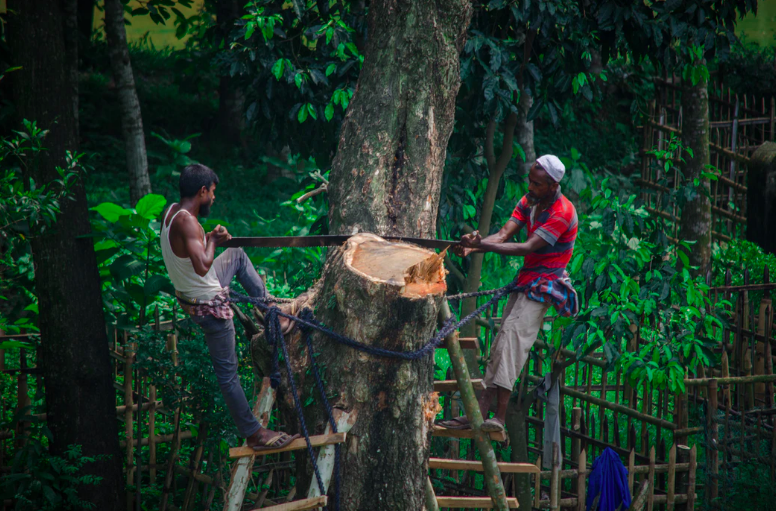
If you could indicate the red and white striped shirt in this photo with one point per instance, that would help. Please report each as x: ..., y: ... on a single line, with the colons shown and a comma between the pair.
x: 557, y: 226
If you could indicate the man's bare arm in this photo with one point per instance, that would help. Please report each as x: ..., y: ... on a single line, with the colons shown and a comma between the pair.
x: 201, y: 254
x: 533, y: 244
x: 466, y: 247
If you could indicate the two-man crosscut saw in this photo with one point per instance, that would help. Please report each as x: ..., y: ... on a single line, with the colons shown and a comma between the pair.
x: 328, y: 240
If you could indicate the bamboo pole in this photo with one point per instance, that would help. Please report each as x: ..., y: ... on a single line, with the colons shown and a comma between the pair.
x: 631, y: 473
x: 152, y: 434
x: 431, y: 500
x: 128, y: 426
x: 712, y: 453
x: 194, y: 467
x: 671, y: 491
x: 691, y: 478
x: 576, y: 419
x: 581, y: 488
x: 651, y: 479
x: 538, y: 483
x: 492, y: 476
x: 555, y: 480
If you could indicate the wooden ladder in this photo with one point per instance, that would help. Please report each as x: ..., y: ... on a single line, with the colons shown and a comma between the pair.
x: 492, y: 469
x: 241, y: 472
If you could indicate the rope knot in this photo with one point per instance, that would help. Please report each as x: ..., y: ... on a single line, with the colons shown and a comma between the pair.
x: 307, y: 315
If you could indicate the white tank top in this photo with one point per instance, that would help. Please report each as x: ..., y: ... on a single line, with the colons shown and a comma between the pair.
x: 181, y: 269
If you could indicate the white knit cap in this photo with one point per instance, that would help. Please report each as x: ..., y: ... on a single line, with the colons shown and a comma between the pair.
x: 553, y: 166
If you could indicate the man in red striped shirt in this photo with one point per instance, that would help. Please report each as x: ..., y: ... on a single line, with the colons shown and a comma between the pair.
x: 551, y: 222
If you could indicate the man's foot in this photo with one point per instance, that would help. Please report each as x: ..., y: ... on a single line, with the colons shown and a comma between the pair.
x: 494, y: 425
x: 457, y: 423
x: 265, y: 439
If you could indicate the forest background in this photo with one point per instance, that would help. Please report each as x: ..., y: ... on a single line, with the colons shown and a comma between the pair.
x: 274, y: 141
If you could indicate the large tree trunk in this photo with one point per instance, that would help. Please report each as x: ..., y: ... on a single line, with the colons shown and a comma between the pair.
x: 131, y: 118
x: 695, y: 224
x: 387, y: 174
x: 80, y: 401
x: 386, y: 179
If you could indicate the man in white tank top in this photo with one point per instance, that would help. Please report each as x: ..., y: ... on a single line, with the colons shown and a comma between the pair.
x: 202, y: 281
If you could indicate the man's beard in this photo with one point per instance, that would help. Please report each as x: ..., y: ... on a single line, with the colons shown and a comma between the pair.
x: 204, y: 210
x: 532, y: 199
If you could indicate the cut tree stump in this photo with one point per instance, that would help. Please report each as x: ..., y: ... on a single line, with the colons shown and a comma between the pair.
x: 385, y: 295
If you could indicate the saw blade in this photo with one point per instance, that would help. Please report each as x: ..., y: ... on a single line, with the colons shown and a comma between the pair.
x: 324, y: 240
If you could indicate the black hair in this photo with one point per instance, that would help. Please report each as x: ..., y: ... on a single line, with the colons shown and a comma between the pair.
x: 194, y: 177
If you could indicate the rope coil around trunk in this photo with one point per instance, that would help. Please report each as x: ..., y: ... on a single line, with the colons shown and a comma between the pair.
x: 308, y: 323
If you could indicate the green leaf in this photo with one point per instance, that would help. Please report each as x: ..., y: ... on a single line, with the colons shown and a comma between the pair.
x: 330, y: 69
x: 156, y: 283
x: 125, y: 267
x: 150, y: 206
x: 250, y: 28
x: 302, y: 115
x: 299, y: 79
x: 277, y: 68
x: 111, y: 212
x: 329, y: 112
x: 311, y: 110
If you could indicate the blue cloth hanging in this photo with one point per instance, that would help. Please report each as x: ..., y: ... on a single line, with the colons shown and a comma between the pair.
x: 609, y: 478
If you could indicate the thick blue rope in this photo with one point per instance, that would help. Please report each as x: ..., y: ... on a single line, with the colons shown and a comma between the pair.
x: 275, y: 335
x: 308, y: 323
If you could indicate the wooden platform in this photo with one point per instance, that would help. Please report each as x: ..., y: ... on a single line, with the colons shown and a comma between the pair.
x: 299, y: 443
x: 452, y: 385
x: 473, y: 502
x: 476, y: 466
x: 298, y: 505
x: 467, y: 343
x: 501, y: 436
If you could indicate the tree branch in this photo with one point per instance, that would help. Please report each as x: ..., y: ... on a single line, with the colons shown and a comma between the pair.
x: 490, y: 155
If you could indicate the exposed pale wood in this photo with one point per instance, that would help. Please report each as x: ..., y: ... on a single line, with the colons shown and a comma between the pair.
x: 299, y: 443
x: 241, y: 472
x: 299, y: 505
x: 631, y: 474
x: 500, y: 436
x: 473, y: 502
x: 555, y: 479
x: 641, y: 499
x: 452, y: 385
x: 508, y: 468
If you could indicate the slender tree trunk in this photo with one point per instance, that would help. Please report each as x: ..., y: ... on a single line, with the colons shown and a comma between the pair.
x: 80, y: 402
x: 496, y: 169
x: 524, y: 131
x: 695, y: 224
x: 131, y: 118
x: 229, y: 120
x: 387, y: 174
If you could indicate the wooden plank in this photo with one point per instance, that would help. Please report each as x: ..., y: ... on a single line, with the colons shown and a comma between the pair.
x: 241, y: 472
x: 326, y: 456
x: 299, y: 443
x: 500, y: 436
x: 298, y: 505
x: 507, y: 468
x: 472, y: 502
x: 467, y: 343
x: 452, y: 385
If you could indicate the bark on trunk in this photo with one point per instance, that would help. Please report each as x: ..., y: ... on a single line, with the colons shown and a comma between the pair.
x: 385, y: 295
x: 229, y: 120
x: 387, y: 174
x: 80, y: 401
x: 524, y: 131
x: 695, y: 224
x: 131, y: 118
x: 516, y: 426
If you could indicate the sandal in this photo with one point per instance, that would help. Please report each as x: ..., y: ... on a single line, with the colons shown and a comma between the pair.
x: 278, y: 441
x: 456, y: 423
x: 492, y: 426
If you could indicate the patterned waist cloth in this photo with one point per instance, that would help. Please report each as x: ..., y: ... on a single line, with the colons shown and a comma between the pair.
x: 217, y: 306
